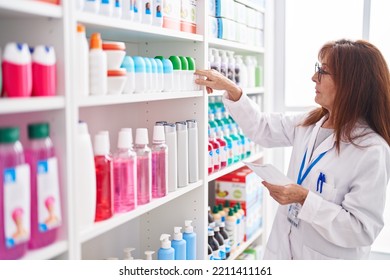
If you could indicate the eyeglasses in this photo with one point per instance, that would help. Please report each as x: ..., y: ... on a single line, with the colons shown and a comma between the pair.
x: 320, y: 71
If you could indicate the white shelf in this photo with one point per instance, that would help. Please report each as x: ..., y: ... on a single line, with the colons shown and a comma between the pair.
x: 234, y: 167
x: 28, y: 8
x: 245, y: 245
x: 31, y: 104
x: 91, y: 101
x: 119, y: 219
x: 48, y: 252
x: 131, y: 31
x: 256, y: 90
x: 234, y: 46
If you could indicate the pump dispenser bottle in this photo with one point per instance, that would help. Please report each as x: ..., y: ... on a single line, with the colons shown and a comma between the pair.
x: 128, y: 254
x: 190, y: 237
x: 171, y: 141
x: 149, y: 255
x: 179, y: 244
x: 144, y: 166
x: 159, y: 163
x: 166, y: 252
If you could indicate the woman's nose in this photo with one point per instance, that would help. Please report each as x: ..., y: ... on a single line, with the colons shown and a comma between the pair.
x: 314, y: 78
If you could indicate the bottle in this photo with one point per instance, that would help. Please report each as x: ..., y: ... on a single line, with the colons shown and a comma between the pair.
x: 140, y: 74
x: 160, y: 75
x: 104, y: 171
x: 179, y: 244
x: 182, y: 154
x: 82, y: 69
x: 193, y: 157
x: 223, y: 150
x: 168, y: 74
x: 106, y: 7
x: 221, y: 243
x: 85, y: 178
x: 231, y: 229
x: 154, y: 74
x: 190, y: 237
x: 92, y: 6
x: 15, y: 213
x: 210, y: 216
x: 224, y: 63
x: 222, y: 212
x: 171, y: 141
x: 97, y: 66
x: 125, y: 174
x: 240, y: 233
x: 146, y: 9
x: 159, y: 163
x: 166, y: 252
x: 117, y: 11
x: 149, y: 77
x: 210, y: 252
x: 128, y: 64
x: 216, y: 153
x: 213, y: 244
x: 137, y: 11
x: 128, y: 9
x: 231, y: 66
x: 184, y: 77
x: 177, y: 73
x: 191, y: 77
x: 226, y: 239
x: 210, y: 159
x: 17, y: 70
x: 158, y: 13
x: 144, y: 166
x: 216, y: 215
x: 45, y: 187
x: 44, y: 76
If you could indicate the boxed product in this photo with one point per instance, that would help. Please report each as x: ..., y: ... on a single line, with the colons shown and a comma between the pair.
x: 188, y: 16
x: 171, y: 15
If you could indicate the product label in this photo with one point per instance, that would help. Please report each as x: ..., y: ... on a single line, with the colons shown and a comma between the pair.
x: 49, y: 206
x: 216, y: 157
x: 210, y: 161
x: 158, y: 7
x: 16, y: 205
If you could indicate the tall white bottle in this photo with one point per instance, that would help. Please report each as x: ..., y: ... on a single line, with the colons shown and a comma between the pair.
x: 171, y: 141
x: 157, y: 13
x: 82, y: 69
x: 147, y: 10
x: 193, y: 160
x: 182, y: 154
x: 85, y: 178
x: 97, y: 66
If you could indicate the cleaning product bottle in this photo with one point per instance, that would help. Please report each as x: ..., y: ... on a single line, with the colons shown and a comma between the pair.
x: 125, y: 174
x: 182, y: 154
x: 190, y: 237
x: 128, y: 64
x: 44, y: 74
x: 149, y: 255
x: 140, y: 74
x: 97, y: 66
x: 179, y: 244
x: 85, y: 178
x: 193, y: 161
x: 104, y: 171
x: 159, y: 163
x: 171, y: 141
x: 15, y: 184
x: 45, y: 186
x: 144, y: 166
x: 82, y: 69
x: 166, y: 252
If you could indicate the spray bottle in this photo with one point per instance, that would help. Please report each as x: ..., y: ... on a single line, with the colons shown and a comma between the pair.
x: 179, y: 244
x: 166, y: 252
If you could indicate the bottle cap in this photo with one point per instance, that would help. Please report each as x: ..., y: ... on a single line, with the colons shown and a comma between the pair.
x: 167, y: 66
x: 9, y: 134
x: 128, y: 129
x: 95, y: 41
x: 191, y: 63
x: 128, y: 64
x: 44, y: 55
x: 184, y: 63
x: 116, y: 72
x: 113, y: 46
x: 170, y: 128
x: 128, y: 255
x: 139, y: 64
x: 141, y: 136
x: 191, y: 123
x: 176, y: 62
x: 165, y: 242
x: 188, y: 228
x: 154, y: 64
x: 124, y: 139
x: 38, y: 130
x: 148, y: 65
x: 101, y: 144
x: 17, y: 53
x: 149, y: 255
x: 80, y: 28
x: 160, y: 57
x: 210, y: 231
x: 181, y: 126
x: 177, y: 233
x: 158, y: 134
x: 82, y: 128
x: 160, y: 67
x: 160, y: 123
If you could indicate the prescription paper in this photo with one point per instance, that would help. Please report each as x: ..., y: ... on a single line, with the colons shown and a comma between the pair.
x: 269, y: 173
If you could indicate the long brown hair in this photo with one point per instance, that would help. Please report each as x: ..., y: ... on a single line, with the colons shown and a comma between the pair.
x: 362, y: 80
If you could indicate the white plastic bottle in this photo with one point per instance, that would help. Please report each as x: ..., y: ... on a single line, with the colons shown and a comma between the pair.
x: 193, y: 157
x: 154, y: 74
x: 82, y: 69
x: 106, y: 7
x: 190, y: 237
x: 184, y: 77
x: 147, y: 10
x: 117, y: 10
x: 97, y: 66
x: 128, y: 9
x: 171, y: 141
x: 224, y: 63
x: 85, y: 178
x: 137, y: 10
x: 157, y: 13
x: 160, y: 75
x: 168, y: 74
x: 242, y: 79
x: 140, y: 74
x: 231, y: 65
x: 128, y: 64
x: 149, y: 77
x: 92, y: 6
x: 176, y: 63
x: 182, y: 154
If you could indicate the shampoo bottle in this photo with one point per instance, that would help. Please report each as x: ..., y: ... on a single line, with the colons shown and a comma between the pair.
x: 190, y: 237
x: 179, y: 244
x: 166, y: 252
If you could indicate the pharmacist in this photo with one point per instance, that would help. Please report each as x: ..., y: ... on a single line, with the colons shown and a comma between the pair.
x: 340, y: 159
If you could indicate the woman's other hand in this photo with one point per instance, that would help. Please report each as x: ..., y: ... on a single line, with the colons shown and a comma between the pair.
x: 291, y: 193
x: 214, y: 80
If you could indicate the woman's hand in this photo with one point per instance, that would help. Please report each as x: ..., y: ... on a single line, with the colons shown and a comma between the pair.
x: 215, y: 80
x: 291, y: 193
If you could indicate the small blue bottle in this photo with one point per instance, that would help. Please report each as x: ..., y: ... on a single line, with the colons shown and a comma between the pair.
x: 190, y: 237
x: 179, y: 244
x: 166, y: 252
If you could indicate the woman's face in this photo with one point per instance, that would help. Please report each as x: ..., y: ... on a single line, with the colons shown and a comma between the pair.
x: 325, y: 86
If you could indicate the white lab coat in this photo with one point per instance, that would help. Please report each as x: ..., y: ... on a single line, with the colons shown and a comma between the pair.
x: 341, y: 222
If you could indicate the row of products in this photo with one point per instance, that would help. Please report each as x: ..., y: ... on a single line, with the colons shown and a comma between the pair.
x: 104, y: 68
x: 173, y: 14
x: 133, y: 175
x: 244, y: 71
x: 28, y: 71
x: 30, y: 205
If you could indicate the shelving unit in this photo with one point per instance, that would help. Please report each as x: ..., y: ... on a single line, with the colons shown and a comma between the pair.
x: 140, y: 228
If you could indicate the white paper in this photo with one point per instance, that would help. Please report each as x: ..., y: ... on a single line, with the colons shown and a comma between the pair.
x: 270, y: 173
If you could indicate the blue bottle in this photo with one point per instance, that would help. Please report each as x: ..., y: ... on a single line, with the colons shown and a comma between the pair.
x: 190, y: 237
x: 166, y: 252
x: 179, y: 244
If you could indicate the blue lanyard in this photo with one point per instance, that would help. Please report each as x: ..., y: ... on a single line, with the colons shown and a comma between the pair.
x: 303, y: 177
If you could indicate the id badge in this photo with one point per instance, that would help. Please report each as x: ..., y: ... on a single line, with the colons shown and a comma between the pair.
x: 293, y: 212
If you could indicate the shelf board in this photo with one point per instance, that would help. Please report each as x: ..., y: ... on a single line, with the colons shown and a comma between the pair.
x: 234, y: 167
x: 91, y: 101
x: 101, y: 227
x: 255, y: 90
x: 245, y: 245
x: 112, y: 28
x: 234, y: 46
x: 31, y: 104
x: 28, y: 8
x: 47, y: 252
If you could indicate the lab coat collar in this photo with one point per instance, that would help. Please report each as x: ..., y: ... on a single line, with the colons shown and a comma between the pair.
x: 325, y: 146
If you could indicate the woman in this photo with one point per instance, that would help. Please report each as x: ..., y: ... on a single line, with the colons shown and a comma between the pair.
x: 340, y: 158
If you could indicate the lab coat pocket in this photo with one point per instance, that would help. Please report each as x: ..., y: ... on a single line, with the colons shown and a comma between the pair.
x: 328, y: 192
x: 311, y: 254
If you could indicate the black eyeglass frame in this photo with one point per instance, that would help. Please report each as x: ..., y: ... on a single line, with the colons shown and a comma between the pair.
x: 320, y: 71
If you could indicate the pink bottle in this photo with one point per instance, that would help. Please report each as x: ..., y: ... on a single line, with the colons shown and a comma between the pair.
x: 104, y: 171
x: 159, y: 163
x: 44, y: 77
x: 216, y: 149
x: 45, y: 190
x: 144, y: 166
x: 15, y: 184
x: 17, y: 70
x: 125, y: 174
